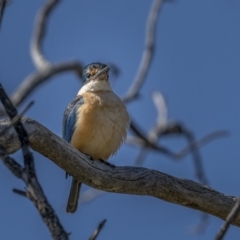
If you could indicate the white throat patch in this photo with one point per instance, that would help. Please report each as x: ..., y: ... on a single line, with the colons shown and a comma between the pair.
x: 95, y: 85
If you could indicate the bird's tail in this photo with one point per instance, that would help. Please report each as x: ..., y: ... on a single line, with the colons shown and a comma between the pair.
x: 73, y: 196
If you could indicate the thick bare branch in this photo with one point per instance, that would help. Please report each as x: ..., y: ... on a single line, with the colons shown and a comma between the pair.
x: 147, y: 53
x: 39, y: 32
x: 128, y: 180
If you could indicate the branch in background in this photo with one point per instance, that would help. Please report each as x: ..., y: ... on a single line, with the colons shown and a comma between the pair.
x: 98, y: 230
x: 162, y: 116
x: 201, y: 226
x: 3, y: 4
x: 46, y: 70
x: 23, y: 137
x: 231, y: 216
x: 147, y: 54
x: 17, y: 118
x: 39, y: 33
x: 119, y: 179
x: 142, y: 155
x: 34, y: 80
x: 90, y: 194
x: 165, y: 127
x: 142, y: 141
x: 34, y: 190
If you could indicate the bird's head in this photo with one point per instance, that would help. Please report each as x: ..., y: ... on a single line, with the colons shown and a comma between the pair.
x: 95, y: 72
x: 95, y: 78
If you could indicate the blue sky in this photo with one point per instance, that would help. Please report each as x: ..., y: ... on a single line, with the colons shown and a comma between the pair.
x: 195, y: 66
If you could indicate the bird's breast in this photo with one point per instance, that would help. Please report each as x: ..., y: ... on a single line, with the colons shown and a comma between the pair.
x: 101, y: 124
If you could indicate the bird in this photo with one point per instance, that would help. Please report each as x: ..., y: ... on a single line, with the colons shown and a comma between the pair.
x: 95, y: 122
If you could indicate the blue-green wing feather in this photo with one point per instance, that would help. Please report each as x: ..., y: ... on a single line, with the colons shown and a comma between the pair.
x: 70, y: 118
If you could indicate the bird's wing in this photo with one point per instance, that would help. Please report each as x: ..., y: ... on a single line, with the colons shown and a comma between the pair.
x: 69, y: 118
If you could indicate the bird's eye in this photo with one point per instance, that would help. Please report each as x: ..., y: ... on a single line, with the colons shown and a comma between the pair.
x: 88, y: 75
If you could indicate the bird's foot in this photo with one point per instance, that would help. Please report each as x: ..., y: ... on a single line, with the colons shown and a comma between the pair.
x: 107, y: 163
x: 89, y: 157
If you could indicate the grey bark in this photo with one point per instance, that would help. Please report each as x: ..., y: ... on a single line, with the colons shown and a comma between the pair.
x: 128, y: 180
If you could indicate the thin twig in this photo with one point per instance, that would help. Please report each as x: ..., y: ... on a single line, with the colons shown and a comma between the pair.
x: 39, y: 33
x: 15, y: 168
x: 3, y: 5
x: 175, y: 128
x: 231, y: 216
x: 145, y: 141
x: 98, y: 230
x: 90, y: 194
x: 203, y: 141
x: 17, y: 118
x: 147, y: 54
x: 197, y: 160
x: 23, y: 137
x: 141, y: 157
x: 162, y: 116
x: 20, y: 192
x: 202, y: 225
x: 162, y: 127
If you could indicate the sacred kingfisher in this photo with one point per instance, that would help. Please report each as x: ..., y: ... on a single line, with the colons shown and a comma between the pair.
x: 95, y: 122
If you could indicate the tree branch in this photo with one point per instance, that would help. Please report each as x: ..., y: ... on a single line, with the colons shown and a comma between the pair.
x: 128, y: 180
x: 234, y: 212
x: 34, y: 80
x: 147, y: 53
x: 143, y: 141
x: 46, y: 70
x: 33, y: 189
x: 98, y: 230
x: 3, y: 4
x: 39, y: 33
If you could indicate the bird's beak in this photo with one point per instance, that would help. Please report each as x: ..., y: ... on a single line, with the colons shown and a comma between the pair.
x: 102, y: 71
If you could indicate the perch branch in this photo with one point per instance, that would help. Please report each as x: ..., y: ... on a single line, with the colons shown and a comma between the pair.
x: 128, y: 180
